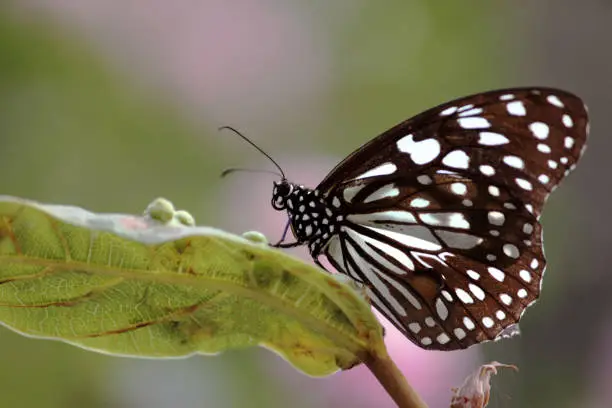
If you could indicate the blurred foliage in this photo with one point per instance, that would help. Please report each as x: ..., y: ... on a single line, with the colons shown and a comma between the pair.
x: 66, y: 116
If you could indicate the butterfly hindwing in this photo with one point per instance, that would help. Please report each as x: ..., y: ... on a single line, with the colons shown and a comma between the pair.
x: 440, y: 269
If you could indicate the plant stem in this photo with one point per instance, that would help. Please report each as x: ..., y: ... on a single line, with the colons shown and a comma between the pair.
x: 393, y: 381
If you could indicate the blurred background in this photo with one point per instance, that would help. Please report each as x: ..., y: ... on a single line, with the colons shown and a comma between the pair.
x: 107, y: 105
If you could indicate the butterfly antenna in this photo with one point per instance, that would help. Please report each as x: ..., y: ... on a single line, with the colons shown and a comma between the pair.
x: 246, y: 139
x: 235, y: 169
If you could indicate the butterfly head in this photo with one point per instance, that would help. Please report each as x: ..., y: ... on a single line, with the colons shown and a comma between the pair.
x: 280, y: 194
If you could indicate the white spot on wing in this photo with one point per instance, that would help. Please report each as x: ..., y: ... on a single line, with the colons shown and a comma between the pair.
x: 539, y: 129
x: 458, y: 188
x: 544, y: 148
x: 476, y: 291
x: 414, y: 236
x: 459, y: 333
x: 386, y: 191
x: 488, y: 322
x: 464, y: 296
x: 468, y: 323
x: 470, y: 112
x: 506, y: 299
x: 350, y: 192
x: 459, y: 240
x: 465, y: 107
x: 441, y: 309
x: 554, y: 100
x: 473, y: 123
x: 487, y: 170
x: 494, y: 191
x: 514, y: 161
x: 445, y: 219
x: 424, y: 179
x: 496, y: 218
x: 473, y: 274
x: 448, y: 111
x: 511, y: 250
x: 380, y: 217
x: 524, y: 184
x: 421, y: 152
x: 525, y: 275
x: 419, y: 203
x: 492, y: 139
x: 414, y: 327
x: 516, y: 108
x: 334, y: 250
x: 382, y: 170
x: 496, y: 273
x: 457, y: 158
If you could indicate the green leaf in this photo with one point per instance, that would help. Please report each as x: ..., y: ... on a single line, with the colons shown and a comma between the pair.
x: 130, y: 285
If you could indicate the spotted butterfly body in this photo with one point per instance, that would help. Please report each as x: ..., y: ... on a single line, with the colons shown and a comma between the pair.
x: 438, y: 216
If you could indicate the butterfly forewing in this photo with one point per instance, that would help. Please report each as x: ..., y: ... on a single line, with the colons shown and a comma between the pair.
x: 523, y: 133
x: 442, y: 212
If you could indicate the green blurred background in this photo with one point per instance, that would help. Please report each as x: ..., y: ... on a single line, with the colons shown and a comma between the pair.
x: 108, y: 105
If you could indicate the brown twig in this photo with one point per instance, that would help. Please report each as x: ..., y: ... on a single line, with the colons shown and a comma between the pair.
x: 393, y: 381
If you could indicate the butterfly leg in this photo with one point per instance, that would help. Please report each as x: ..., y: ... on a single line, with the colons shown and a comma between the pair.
x: 280, y: 244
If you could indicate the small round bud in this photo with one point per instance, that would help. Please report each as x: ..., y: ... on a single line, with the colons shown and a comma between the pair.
x: 160, y: 210
x: 255, y: 237
x: 184, y: 218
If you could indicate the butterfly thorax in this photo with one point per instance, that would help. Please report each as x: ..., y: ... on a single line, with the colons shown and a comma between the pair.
x: 313, y: 220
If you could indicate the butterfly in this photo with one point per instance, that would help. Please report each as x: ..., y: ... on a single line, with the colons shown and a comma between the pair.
x: 438, y: 216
